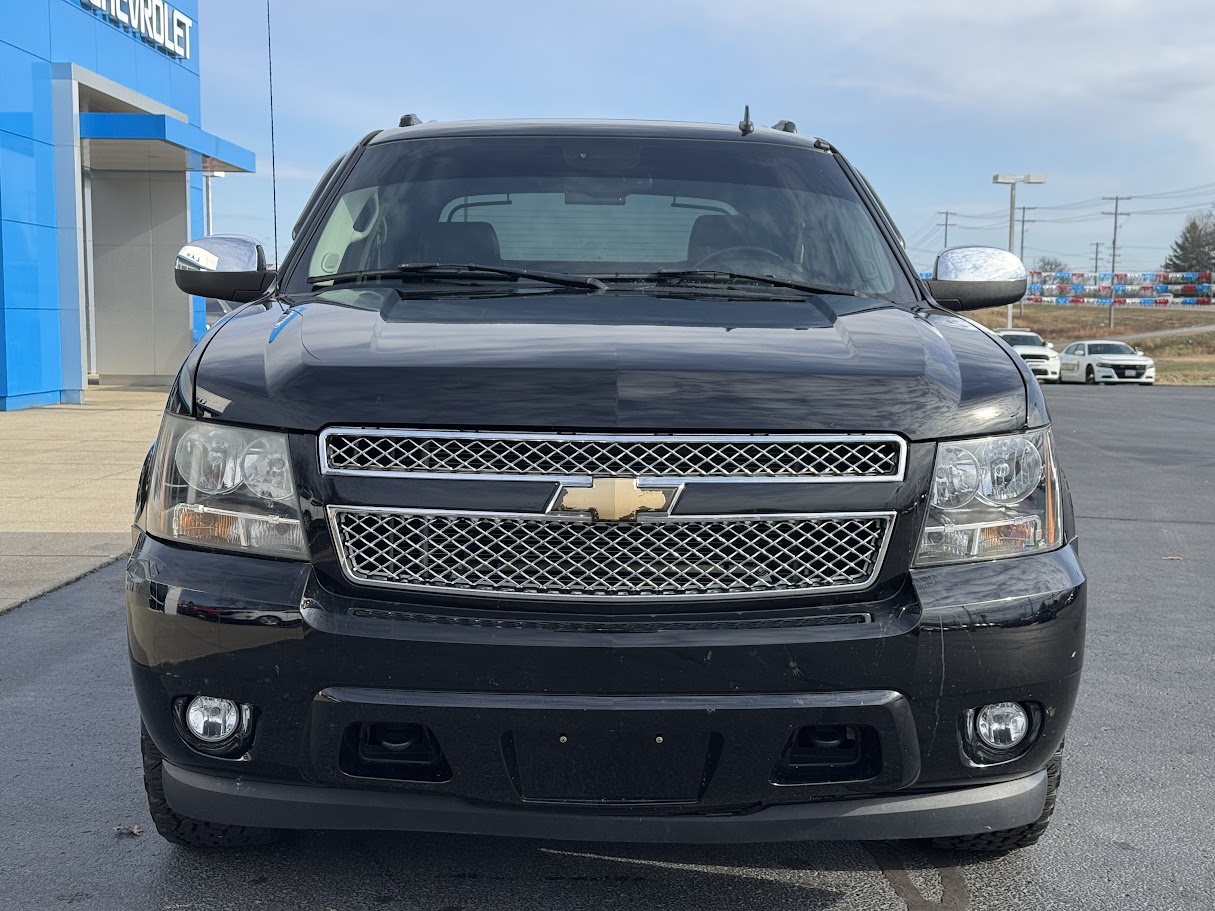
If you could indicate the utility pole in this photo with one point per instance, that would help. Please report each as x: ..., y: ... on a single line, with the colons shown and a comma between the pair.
x: 1096, y: 245
x: 946, y: 213
x: 1114, y: 248
x: 1023, y: 208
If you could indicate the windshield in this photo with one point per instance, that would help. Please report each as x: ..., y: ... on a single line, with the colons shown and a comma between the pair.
x: 1110, y: 348
x: 1023, y: 338
x: 604, y: 206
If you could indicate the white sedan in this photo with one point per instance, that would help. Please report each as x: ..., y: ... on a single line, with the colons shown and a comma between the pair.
x: 1099, y: 361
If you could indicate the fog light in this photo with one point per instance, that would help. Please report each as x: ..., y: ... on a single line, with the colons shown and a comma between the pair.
x: 1002, y: 725
x: 212, y: 720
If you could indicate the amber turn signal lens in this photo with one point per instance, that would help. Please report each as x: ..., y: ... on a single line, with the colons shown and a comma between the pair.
x: 999, y: 538
x: 206, y: 526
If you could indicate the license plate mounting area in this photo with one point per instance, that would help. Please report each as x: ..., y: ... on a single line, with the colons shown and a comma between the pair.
x: 631, y: 760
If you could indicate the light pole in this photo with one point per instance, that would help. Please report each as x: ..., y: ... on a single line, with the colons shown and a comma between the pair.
x: 207, y: 210
x: 1012, y: 180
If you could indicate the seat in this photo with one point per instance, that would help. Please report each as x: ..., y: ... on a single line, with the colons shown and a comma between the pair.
x: 460, y: 242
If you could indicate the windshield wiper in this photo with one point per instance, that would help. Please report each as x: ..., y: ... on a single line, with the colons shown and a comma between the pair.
x: 462, y: 270
x: 719, y: 275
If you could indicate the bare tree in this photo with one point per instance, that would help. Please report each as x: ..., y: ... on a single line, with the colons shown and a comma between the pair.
x: 1051, y: 264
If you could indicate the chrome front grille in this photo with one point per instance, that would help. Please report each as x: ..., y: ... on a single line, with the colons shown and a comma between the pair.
x: 534, y: 555
x: 419, y: 453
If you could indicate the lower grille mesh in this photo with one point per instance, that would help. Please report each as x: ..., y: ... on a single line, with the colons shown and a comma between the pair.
x: 529, y: 556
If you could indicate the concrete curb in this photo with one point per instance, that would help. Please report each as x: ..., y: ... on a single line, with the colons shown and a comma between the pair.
x: 108, y: 561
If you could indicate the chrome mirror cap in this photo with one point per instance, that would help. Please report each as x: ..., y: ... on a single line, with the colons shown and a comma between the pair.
x: 978, y: 264
x: 971, y: 278
x: 227, y: 267
x: 222, y: 253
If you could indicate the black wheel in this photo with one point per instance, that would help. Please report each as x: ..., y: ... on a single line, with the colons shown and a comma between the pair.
x: 1090, y: 377
x: 1006, y: 840
x: 181, y: 830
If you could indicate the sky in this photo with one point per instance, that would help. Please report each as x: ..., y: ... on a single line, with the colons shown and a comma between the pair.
x: 928, y: 99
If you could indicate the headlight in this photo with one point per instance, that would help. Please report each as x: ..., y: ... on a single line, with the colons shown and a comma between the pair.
x: 993, y: 497
x: 225, y: 487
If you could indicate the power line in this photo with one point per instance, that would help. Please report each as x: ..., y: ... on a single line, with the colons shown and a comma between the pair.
x: 1200, y: 190
x: 987, y: 227
x: 1176, y: 210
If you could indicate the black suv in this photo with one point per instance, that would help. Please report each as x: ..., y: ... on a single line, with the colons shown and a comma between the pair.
x: 602, y: 480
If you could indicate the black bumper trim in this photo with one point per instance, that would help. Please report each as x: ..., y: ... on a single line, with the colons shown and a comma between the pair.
x: 234, y: 801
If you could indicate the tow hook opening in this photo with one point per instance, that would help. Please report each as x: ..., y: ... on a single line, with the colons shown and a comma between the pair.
x: 829, y: 753
x: 399, y: 751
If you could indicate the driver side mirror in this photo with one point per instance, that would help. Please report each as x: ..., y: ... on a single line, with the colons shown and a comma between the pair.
x: 971, y: 278
x: 227, y: 267
x: 1050, y: 345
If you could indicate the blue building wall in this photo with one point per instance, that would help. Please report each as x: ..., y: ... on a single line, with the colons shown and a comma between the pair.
x: 35, y: 324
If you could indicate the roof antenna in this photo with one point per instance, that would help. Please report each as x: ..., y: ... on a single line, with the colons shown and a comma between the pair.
x: 273, y: 157
x: 745, y: 125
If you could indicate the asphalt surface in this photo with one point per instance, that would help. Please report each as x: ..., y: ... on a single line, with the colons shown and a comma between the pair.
x: 1133, y: 830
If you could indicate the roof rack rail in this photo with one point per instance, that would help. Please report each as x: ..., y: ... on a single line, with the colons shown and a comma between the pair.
x: 785, y: 126
x: 410, y: 120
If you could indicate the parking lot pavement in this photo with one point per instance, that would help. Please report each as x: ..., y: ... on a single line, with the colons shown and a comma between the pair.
x: 68, y: 485
x: 1133, y: 830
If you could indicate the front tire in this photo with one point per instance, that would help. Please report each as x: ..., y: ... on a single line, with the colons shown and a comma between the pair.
x: 1090, y: 377
x: 1005, y: 840
x: 181, y: 830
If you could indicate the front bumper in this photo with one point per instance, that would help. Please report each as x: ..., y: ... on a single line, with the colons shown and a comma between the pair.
x: 1044, y: 370
x: 289, y: 806
x: 1125, y: 375
x: 724, y: 694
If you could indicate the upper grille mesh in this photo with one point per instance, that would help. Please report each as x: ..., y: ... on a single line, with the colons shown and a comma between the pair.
x: 572, y: 455
x: 524, y: 555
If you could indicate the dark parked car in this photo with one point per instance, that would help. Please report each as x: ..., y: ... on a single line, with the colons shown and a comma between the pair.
x: 603, y: 480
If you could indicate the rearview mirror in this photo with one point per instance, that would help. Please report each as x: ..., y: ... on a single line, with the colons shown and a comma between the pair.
x: 971, y: 278
x: 224, y: 266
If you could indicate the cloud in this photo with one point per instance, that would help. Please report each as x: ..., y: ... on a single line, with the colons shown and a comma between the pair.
x: 1113, y: 66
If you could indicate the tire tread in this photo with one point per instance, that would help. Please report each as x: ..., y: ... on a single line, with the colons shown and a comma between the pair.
x: 182, y: 830
x: 1005, y: 840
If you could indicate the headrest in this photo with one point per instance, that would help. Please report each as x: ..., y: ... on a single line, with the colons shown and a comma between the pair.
x: 460, y: 242
x: 712, y: 233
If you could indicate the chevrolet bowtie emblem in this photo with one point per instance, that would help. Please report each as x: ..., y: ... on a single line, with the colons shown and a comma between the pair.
x: 616, y: 499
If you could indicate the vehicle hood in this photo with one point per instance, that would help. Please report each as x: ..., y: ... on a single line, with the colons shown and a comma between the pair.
x: 1036, y: 350
x: 610, y: 361
x: 1123, y: 360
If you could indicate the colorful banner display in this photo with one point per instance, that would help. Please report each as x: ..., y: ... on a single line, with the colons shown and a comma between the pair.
x: 1119, y: 289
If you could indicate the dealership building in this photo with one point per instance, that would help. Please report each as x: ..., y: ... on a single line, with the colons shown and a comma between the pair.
x: 103, y: 167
